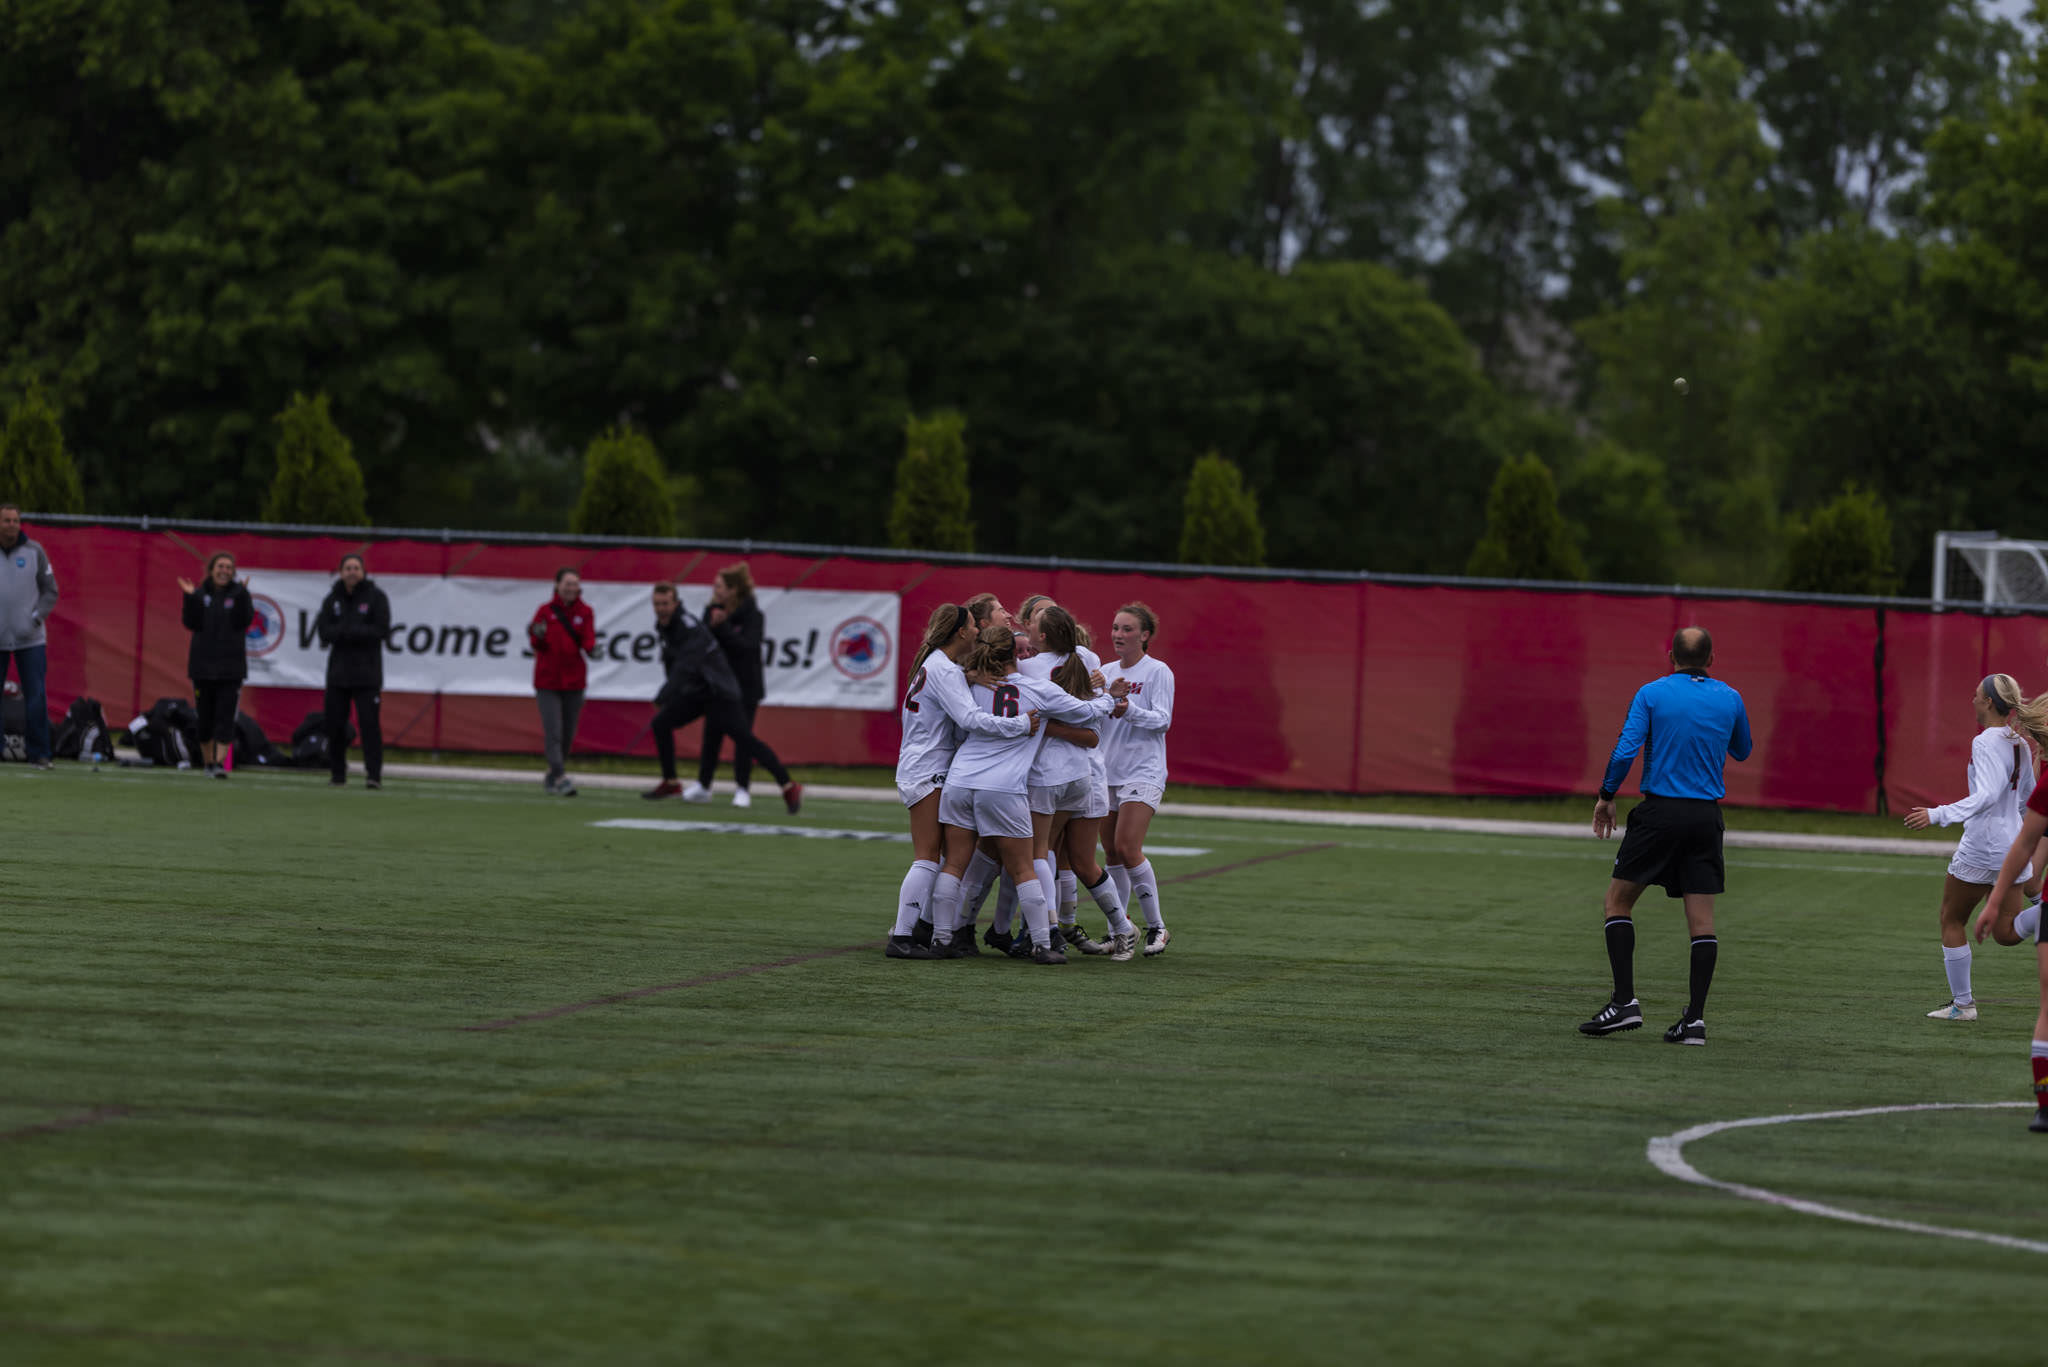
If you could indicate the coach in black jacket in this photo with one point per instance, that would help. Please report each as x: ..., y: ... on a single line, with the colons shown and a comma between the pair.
x: 354, y: 620
x: 700, y: 683
x: 735, y: 619
x: 217, y: 612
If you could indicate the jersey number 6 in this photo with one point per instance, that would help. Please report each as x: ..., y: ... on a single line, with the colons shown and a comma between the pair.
x: 1006, y: 700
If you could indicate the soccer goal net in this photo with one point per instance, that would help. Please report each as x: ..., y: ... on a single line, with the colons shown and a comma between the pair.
x: 1984, y: 569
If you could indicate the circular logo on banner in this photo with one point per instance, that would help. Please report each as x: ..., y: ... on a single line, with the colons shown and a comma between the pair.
x: 860, y: 647
x: 266, y: 625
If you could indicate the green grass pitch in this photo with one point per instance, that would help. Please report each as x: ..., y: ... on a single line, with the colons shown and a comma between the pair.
x: 245, y: 1118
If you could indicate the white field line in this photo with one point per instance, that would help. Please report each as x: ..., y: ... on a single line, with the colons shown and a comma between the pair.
x: 1667, y: 1152
x: 634, y: 823
x: 1561, y: 830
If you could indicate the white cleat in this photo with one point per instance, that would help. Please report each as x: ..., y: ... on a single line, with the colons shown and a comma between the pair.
x: 1123, y: 947
x: 1156, y: 939
x: 1954, y: 1011
x: 696, y: 792
x: 742, y: 798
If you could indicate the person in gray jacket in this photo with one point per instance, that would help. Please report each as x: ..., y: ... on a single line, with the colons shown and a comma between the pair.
x: 28, y: 590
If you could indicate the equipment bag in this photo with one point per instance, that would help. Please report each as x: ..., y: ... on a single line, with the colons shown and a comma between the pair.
x: 83, y: 733
x: 252, y: 746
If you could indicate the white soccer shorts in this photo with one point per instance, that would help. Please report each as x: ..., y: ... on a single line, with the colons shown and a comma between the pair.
x: 985, y: 812
x: 1151, y: 794
x: 914, y: 793
x: 1071, y: 796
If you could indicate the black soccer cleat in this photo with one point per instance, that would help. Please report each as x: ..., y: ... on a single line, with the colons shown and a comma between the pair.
x: 1613, y: 1017
x: 1048, y: 954
x: 963, y: 945
x: 1021, y: 948
x: 1687, y: 1032
x: 2039, y: 1124
x: 921, y: 933
x: 903, y: 947
x: 998, y: 940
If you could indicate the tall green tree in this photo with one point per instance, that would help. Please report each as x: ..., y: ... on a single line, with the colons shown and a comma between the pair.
x: 36, y: 471
x: 318, y: 482
x: 1698, y: 239
x: 625, y: 490
x: 1843, y: 546
x: 203, y: 212
x: 1347, y: 398
x: 930, y: 509
x: 1866, y: 371
x: 1220, y: 518
x: 1526, y: 536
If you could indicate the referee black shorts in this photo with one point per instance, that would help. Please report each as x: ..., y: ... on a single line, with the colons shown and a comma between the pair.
x: 1674, y: 842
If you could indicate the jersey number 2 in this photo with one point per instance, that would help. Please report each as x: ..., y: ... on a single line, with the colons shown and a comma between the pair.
x: 916, y: 687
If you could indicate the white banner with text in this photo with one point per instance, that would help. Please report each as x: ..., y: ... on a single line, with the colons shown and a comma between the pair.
x: 458, y: 635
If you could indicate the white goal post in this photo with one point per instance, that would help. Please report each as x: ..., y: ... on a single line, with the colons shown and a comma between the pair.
x: 1984, y: 569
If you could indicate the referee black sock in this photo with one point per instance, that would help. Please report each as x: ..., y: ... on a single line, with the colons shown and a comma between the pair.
x: 1705, y: 950
x: 1621, y: 956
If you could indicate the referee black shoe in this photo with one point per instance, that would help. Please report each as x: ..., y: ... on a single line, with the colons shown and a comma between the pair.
x: 1687, y: 1032
x: 2039, y: 1124
x: 1615, y: 1016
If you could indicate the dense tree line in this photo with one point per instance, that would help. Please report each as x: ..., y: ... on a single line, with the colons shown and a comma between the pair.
x: 1390, y: 262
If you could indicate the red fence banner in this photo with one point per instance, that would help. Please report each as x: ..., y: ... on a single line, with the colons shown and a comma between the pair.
x: 1362, y: 686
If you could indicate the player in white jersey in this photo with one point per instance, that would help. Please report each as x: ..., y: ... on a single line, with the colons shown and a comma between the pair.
x: 937, y: 711
x: 986, y: 871
x: 2001, y: 780
x: 1071, y: 820
x: 988, y: 785
x: 1134, y: 751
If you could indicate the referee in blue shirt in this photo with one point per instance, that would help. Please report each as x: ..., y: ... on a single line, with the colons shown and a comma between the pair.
x: 1686, y: 725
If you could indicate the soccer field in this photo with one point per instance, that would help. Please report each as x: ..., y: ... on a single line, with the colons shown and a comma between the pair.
x: 453, y: 1074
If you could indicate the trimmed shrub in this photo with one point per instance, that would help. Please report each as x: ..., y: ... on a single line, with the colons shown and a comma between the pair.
x: 625, y: 490
x: 318, y: 482
x: 1526, y: 536
x: 1843, y: 546
x: 35, y: 469
x: 1220, y: 524
x: 930, y: 509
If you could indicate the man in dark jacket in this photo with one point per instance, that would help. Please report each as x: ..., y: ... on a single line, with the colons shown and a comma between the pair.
x: 700, y: 683
x: 217, y: 611
x: 354, y: 620
x: 28, y: 592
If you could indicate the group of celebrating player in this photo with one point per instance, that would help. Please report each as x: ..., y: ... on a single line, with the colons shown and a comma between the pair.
x: 1023, y: 751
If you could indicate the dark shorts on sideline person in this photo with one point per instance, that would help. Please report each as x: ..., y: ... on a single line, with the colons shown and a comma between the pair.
x: 1675, y: 843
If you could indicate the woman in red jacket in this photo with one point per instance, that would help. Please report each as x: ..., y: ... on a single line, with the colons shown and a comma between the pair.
x: 562, y: 632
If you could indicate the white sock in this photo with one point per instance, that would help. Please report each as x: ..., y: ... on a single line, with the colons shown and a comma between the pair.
x: 1070, y: 896
x: 979, y: 878
x: 915, y: 899
x: 1048, y: 883
x: 1120, y: 878
x: 1145, y: 887
x: 1957, y: 963
x: 945, y: 904
x: 1037, y: 919
x: 1112, y: 906
x: 1006, y: 904
x: 2028, y: 922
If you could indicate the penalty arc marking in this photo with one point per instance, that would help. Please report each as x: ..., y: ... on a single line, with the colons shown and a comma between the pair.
x: 1667, y: 1152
